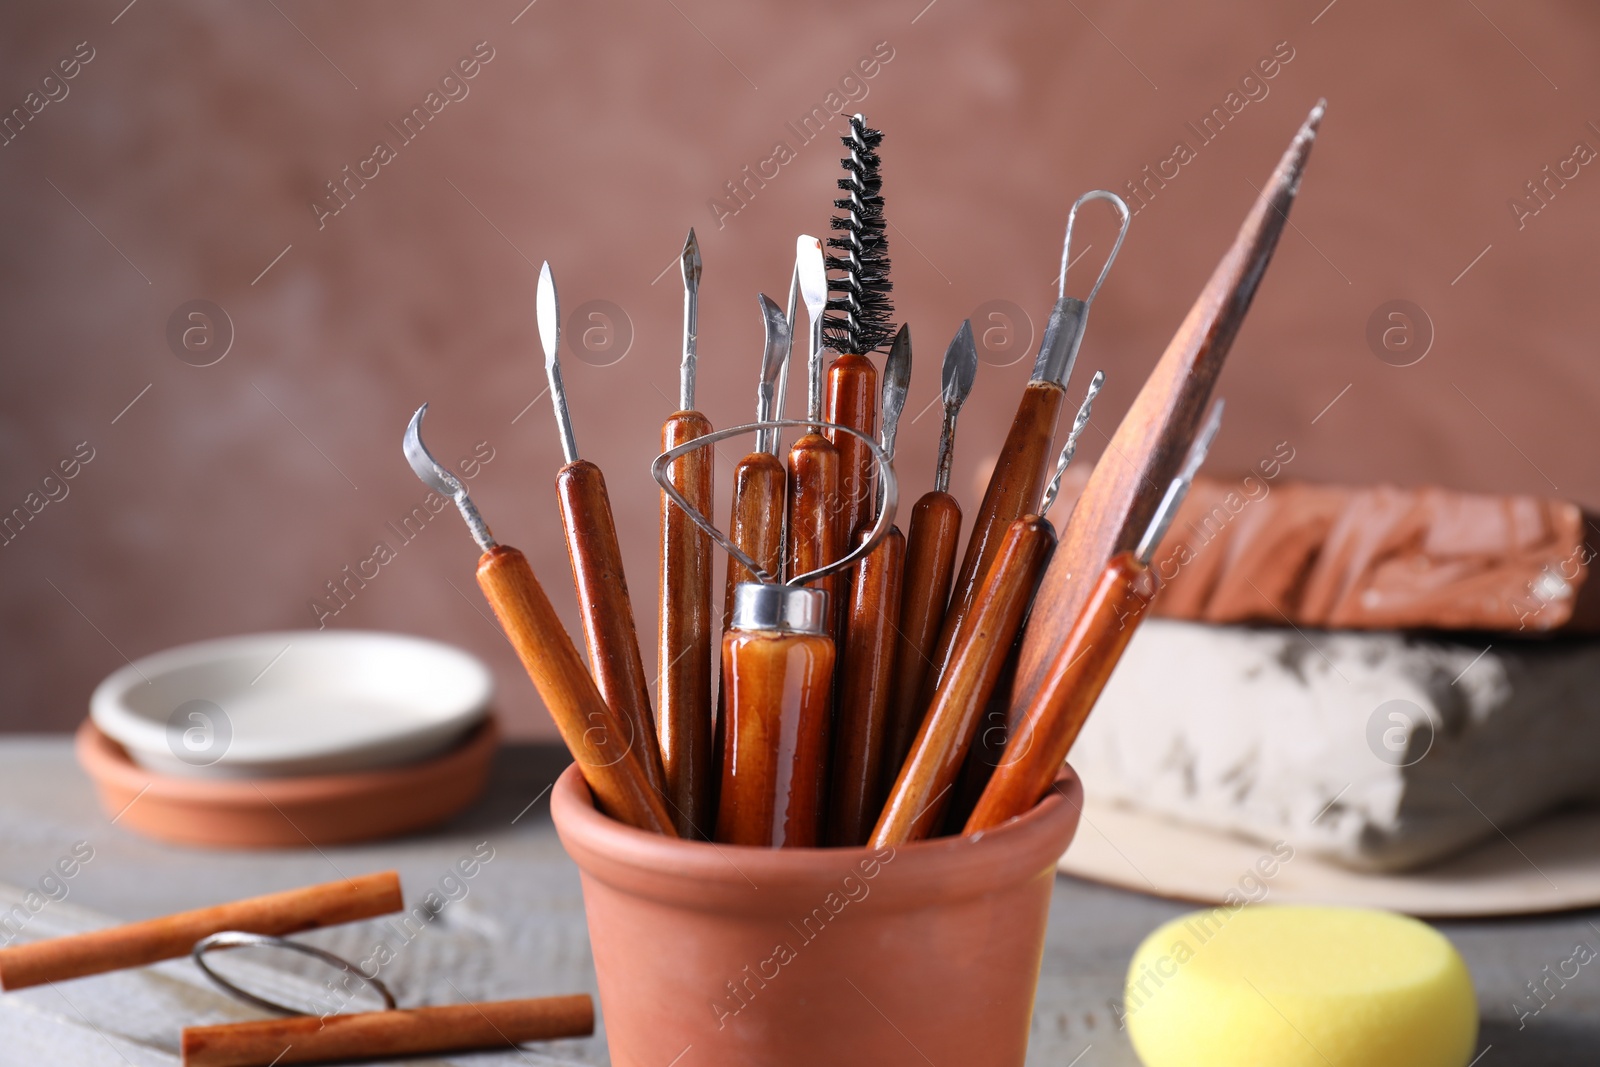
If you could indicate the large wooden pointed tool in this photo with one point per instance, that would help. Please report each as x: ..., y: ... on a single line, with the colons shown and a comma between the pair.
x: 1147, y: 449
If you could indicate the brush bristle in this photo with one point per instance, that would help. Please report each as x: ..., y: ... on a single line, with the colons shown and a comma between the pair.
x: 859, y: 307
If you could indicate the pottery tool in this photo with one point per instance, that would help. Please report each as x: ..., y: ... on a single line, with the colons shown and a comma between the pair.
x: 777, y: 671
x: 931, y: 540
x: 813, y: 527
x: 856, y: 788
x: 171, y: 936
x: 756, y: 524
x: 1019, y: 473
x: 1119, y: 498
x: 605, y: 745
x: 1363, y: 988
x: 1080, y: 666
x: 685, y: 585
x: 984, y: 646
x: 856, y: 323
x: 324, y: 1038
x: 604, y: 606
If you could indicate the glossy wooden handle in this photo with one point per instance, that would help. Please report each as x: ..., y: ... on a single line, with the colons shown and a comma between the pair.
x: 780, y: 689
x: 171, y: 936
x: 685, y: 627
x: 922, y: 791
x: 931, y: 542
x: 857, y: 784
x: 406, y: 1032
x: 1073, y: 682
x: 850, y: 399
x: 604, y: 607
x: 601, y: 741
x: 1014, y: 491
x: 814, y: 503
x: 760, y: 485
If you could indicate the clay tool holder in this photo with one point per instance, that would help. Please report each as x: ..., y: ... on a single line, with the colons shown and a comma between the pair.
x: 983, y: 648
x: 684, y: 615
x: 931, y: 540
x: 778, y: 674
x: 172, y: 936
x: 394, y: 1031
x: 1018, y: 480
x: 856, y: 787
x: 1119, y: 499
x: 1080, y: 667
x: 604, y: 606
x: 605, y: 744
x: 814, y: 493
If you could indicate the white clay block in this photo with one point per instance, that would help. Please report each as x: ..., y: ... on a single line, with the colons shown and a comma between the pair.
x: 1381, y: 751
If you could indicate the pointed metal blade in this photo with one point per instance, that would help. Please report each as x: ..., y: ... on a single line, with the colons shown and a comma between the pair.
x: 691, y: 262
x: 549, y: 315
x: 777, y: 349
x: 896, y: 382
x: 960, y: 366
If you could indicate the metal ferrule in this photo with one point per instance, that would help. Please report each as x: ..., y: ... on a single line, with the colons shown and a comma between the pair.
x: 1063, y: 334
x: 779, y: 608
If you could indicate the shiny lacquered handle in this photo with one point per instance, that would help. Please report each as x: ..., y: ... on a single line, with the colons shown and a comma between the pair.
x: 851, y: 399
x: 814, y: 503
x: 922, y: 792
x: 404, y: 1032
x: 931, y: 543
x: 604, y: 607
x: 1014, y: 491
x: 685, y: 631
x: 779, y: 691
x: 601, y: 741
x: 1077, y: 673
x: 857, y: 784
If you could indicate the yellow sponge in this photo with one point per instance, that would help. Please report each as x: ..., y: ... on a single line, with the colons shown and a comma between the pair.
x: 1300, y: 987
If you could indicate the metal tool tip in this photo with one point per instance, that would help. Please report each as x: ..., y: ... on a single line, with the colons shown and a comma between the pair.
x: 960, y: 365
x: 432, y: 473
x: 813, y: 271
x: 1202, y: 441
x: 691, y: 261
x: 897, y: 367
x: 548, y: 309
x: 776, y: 353
x: 1314, y: 120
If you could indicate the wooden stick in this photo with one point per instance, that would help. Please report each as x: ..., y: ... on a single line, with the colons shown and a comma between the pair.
x: 685, y: 631
x: 922, y: 792
x: 1078, y: 672
x: 780, y: 691
x: 857, y: 789
x: 171, y: 936
x: 814, y: 503
x: 851, y: 399
x: 1014, y: 490
x: 931, y: 541
x: 1150, y: 444
x: 601, y: 741
x: 605, y: 608
x: 406, y: 1032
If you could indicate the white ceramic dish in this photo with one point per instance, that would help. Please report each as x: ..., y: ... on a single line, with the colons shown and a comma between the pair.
x: 278, y: 705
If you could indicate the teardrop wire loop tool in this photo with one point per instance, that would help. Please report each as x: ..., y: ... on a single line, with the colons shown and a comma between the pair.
x: 777, y: 672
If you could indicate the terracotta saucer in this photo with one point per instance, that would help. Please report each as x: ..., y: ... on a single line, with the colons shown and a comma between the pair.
x: 287, y: 812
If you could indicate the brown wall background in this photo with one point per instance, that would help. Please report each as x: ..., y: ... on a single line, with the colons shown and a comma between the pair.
x: 184, y: 157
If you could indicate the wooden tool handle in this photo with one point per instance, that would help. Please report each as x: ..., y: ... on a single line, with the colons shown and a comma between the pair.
x: 857, y: 789
x: 916, y: 804
x: 685, y: 630
x: 851, y: 399
x: 171, y: 936
x: 814, y: 503
x: 756, y: 525
x: 1014, y: 491
x: 407, y: 1032
x: 605, y: 607
x: 601, y: 741
x: 780, y: 688
x: 1076, y: 675
x: 931, y: 541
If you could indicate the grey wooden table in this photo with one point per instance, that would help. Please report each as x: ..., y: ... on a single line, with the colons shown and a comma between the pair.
x: 518, y: 930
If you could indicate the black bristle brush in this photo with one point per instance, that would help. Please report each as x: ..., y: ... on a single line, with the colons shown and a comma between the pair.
x: 855, y: 325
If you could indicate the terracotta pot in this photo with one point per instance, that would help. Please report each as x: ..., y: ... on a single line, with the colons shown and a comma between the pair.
x: 726, y: 954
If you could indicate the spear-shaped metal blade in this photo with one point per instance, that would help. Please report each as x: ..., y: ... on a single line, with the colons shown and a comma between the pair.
x: 959, y: 370
x: 896, y: 382
x: 691, y: 321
